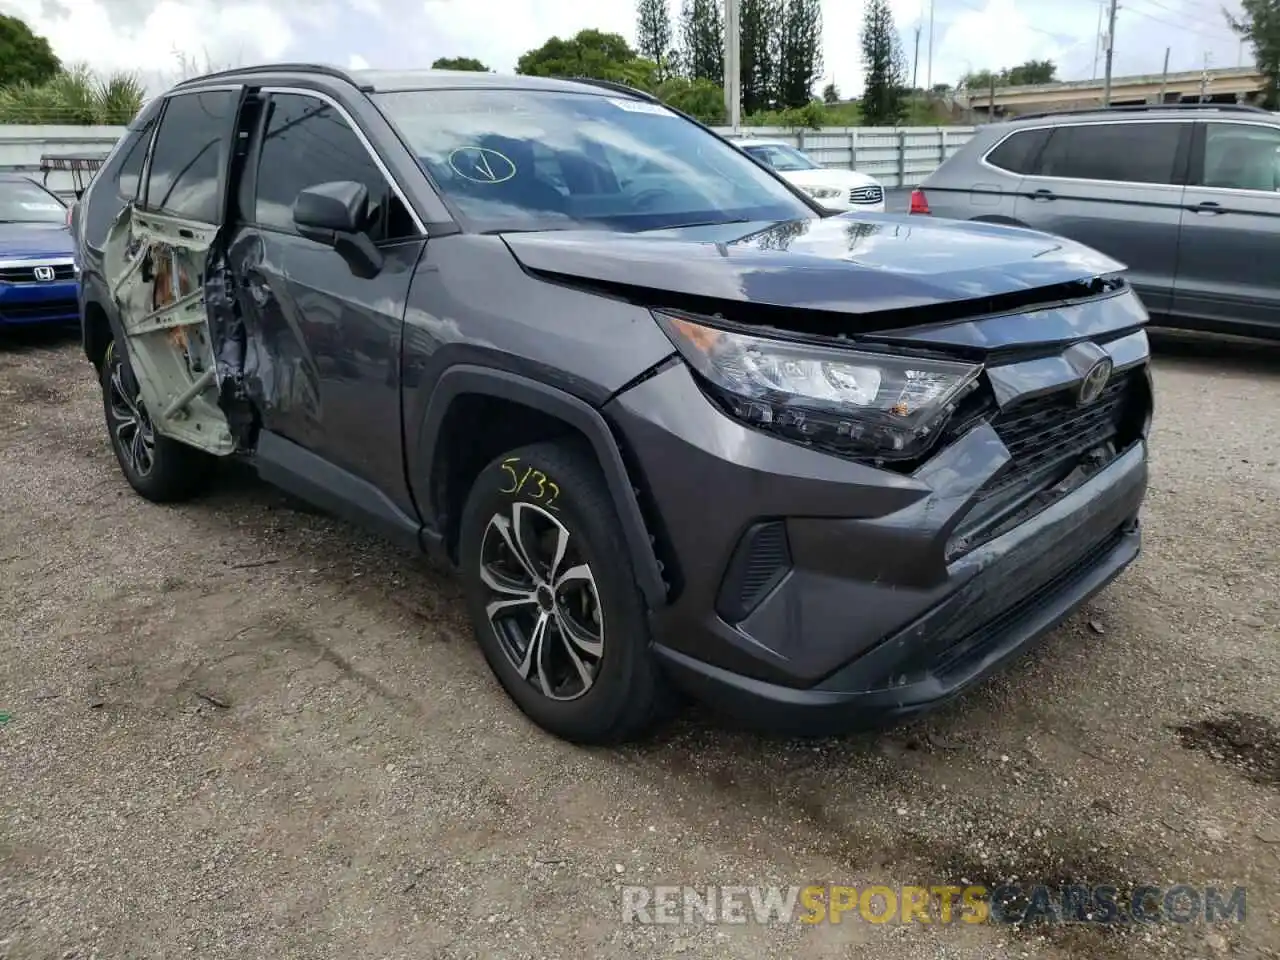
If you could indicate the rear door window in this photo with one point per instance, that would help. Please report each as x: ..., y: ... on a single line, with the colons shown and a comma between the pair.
x: 190, y: 155
x: 1018, y: 152
x: 1121, y: 152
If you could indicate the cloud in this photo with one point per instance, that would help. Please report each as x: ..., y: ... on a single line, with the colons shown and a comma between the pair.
x: 152, y: 35
x: 357, y: 62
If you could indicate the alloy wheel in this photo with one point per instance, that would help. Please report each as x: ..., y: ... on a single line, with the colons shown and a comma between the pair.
x: 543, y: 604
x: 134, y: 435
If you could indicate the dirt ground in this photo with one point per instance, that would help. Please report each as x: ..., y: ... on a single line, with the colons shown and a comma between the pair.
x: 240, y: 729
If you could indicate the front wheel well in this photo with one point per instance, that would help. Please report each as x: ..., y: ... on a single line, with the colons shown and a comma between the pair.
x: 476, y: 428
x: 97, y: 333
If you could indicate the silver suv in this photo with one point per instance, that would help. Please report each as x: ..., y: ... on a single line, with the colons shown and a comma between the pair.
x: 1185, y: 196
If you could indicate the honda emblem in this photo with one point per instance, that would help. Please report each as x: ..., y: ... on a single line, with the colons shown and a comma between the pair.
x: 45, y: 273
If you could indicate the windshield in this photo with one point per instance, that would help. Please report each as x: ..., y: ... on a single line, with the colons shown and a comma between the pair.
x: 22, y: 202
x: 535, y: 160
x: 780, y: 157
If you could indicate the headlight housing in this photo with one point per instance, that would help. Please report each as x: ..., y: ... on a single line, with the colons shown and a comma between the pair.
x: 875, y: 406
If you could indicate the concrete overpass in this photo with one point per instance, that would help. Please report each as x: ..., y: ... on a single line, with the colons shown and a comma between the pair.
x: 1228, y: 85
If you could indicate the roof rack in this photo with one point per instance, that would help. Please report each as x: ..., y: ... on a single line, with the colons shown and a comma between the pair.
x: 1144, y: 108
x: 320, y: 68
x: 617, y: 87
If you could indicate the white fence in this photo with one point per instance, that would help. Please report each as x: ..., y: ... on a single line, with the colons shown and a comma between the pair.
x: 22, y: 146
x: 896, y: 156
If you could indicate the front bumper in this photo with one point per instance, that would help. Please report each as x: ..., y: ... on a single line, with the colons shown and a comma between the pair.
x: 27, y: 304
x: 867, y: 611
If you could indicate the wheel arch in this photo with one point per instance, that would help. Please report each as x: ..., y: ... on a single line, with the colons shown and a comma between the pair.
x: 541, y: 412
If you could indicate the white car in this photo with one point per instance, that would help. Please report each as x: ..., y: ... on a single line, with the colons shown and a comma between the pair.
x: 840, y: 190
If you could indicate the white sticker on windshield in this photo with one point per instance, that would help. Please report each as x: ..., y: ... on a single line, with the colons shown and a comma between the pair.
x: 641, y: 106
x: 29, y: 205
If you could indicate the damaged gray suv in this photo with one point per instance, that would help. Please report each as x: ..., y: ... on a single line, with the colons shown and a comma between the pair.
x: 678, y: 430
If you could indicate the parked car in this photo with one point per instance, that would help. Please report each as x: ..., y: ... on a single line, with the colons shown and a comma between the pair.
x: 834, y: 189
x: 38, y: 277
x: 1184, y: 196
x: 677, y: 430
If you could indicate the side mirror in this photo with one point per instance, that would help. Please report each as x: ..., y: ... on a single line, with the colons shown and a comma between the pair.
x: 335, y: 214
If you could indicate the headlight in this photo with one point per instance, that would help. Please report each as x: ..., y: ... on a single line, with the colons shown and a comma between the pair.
x: 869, y: 405
x: 822, y: 193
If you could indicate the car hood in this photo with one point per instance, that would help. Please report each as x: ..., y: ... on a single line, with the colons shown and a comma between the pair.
x: 29, y: 240
x: 829, y: 178
x: 855, y: 263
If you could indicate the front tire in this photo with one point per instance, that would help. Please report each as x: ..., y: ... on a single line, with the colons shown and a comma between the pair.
x: 553, y: 598
x: 160, y: 469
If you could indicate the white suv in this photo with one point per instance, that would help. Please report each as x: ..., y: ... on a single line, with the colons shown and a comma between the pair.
x: 835, y: 189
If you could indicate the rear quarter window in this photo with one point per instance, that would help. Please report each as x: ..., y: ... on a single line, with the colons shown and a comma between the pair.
x: 1018, y: 152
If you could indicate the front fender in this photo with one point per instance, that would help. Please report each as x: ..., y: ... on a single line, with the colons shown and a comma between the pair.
x: 467, y: 379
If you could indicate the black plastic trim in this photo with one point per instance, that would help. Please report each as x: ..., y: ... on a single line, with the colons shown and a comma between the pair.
x: 295, y: 469
x: 760, y: 561
x: 468, y: 379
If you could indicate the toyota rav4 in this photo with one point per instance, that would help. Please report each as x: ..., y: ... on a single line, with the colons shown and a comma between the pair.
x: 677, y: 428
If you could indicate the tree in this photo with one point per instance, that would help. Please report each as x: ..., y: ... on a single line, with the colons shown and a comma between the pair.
x: 459, y: 63
x: 700, y: 99
x: 1260, y: 25
x: 760, y: 23
x: 653, y: 35
x: 800, y: 51
x: 830, y: 94
x: 589, y: 53
x: 702, y: 40
x: 24, y: 56
x: 1033, y: 71
x: 885, y: 64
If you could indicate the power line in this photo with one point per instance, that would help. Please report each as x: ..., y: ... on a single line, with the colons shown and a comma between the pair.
x: 1198, y: 31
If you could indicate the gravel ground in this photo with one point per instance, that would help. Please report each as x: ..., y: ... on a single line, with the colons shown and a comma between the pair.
x: 236, y: 728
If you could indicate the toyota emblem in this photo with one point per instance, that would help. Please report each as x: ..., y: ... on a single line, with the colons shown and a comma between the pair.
x: 1094, y: 382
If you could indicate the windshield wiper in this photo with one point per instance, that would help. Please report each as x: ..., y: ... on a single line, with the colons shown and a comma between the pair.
x: 700, y: 223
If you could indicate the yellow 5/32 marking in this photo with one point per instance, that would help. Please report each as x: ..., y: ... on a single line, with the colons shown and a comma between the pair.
x: 533, y: 483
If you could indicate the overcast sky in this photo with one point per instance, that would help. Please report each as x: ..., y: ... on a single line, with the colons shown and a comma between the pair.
x: 149, y: 35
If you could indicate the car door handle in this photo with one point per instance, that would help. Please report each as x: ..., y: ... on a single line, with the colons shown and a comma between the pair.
x: 1042, y: 195
x: 1209, y: 208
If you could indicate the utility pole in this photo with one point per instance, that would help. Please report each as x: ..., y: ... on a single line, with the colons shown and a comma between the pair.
x: 1204, y: 77
x: 732, y: 74
x: 1164, y: 76
x: 928, y: 70
x: 915, y: 64
x: 1097, y: 40
x: 1111, y: 47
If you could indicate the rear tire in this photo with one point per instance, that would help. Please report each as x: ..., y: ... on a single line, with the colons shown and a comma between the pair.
x: 160, y: 469
x: 553, y: 597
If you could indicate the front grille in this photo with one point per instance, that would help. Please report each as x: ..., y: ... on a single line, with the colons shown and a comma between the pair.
x: 966, y: 638
x: 27, y: 273
x: 866, y: 195
x: 1053, y: 429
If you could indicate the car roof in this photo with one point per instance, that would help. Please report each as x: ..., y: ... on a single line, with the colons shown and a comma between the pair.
x: 388, y: 81
x: 1137, y: 112
x: 766, y: 141
x: 8, y: 176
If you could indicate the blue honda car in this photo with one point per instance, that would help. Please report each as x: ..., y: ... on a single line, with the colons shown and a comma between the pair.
x: 38, y: 275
